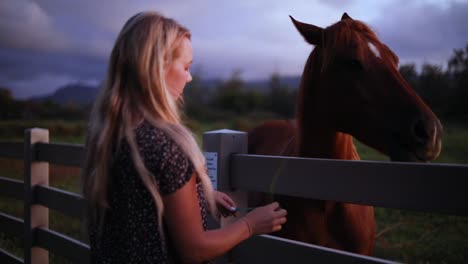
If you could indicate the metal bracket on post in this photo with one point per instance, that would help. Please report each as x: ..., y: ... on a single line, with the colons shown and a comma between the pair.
x: 218, y: 146
x: 35, y: 173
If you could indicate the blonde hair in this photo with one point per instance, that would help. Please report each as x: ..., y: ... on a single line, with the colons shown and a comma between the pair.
x: 134, y: 90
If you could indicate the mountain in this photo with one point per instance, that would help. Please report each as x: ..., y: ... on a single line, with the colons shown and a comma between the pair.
x: 78, y: 94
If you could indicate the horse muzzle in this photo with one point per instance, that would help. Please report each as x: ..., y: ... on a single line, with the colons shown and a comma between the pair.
x: 422, y: 143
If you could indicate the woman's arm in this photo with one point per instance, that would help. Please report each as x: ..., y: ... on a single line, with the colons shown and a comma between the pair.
x: 183, y: 218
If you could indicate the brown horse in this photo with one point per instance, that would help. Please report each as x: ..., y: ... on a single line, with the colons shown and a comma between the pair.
x: 350, y: 86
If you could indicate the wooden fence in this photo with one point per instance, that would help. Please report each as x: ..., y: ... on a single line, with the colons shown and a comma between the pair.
x: 35, y: 236
x: 421, y: 187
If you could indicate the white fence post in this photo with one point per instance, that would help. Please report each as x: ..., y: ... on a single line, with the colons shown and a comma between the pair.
x: 218, y: 146
x: 35, y: 173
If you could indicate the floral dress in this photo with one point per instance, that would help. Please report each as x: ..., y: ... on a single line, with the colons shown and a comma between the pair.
x: 129, y: 231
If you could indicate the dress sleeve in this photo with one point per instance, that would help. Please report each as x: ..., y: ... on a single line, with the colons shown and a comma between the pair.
x: 165, y: 159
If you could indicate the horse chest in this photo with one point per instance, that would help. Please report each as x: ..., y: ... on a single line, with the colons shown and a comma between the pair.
x: 327, y: 223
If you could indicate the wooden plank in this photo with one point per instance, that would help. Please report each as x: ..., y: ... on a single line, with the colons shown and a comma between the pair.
x: 438, y: 188
x: 11, y: 226
x: 61, y: 154
x: 12, y: 150
x: 11, y: 188
x: 65, y: 202
x: 272, y: 250
x: 62, y: 245
x: 35, y: 173
x: 8, y: 258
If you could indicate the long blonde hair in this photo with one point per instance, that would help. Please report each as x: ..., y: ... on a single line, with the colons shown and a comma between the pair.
x: 134, y: 90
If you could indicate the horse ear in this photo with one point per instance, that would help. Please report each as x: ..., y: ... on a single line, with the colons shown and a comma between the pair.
x: 345, y: 16
x: 312, y: 34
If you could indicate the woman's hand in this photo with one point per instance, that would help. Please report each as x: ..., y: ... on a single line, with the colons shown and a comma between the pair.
x: 226, y: 206
x: 265, y: 219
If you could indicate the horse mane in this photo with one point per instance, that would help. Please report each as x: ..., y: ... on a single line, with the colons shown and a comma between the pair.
x: 350, y: 34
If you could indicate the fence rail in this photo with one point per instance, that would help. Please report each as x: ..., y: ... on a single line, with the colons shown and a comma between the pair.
x: 67, y: 247
x: 423, y: 187
x: 12, y: 150
x: 8, y: 258
x: 65, y: 202
x: 270, y: 249
x: 12, y: 226
x: 60, y: 154
x: 437, y: 188
x: 11, y: 188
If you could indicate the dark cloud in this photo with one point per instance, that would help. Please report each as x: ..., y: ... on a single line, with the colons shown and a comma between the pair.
x: 18, y: 64
x: 32, y: 73
x: 24, y: 24
x: 70, y: 40
x: 45, y: 46
x: 424, y: 33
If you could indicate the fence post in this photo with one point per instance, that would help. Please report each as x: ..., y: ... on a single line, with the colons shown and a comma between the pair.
x: 218, y: 146
x: 35, y: 173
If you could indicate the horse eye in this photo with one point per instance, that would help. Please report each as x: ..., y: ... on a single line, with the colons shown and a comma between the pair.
x: 354, y: 64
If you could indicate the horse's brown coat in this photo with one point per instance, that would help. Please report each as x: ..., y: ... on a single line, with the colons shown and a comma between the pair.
x: 350, y: 87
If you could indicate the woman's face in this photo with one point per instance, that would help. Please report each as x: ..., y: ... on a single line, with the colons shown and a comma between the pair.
x: 178, y: 73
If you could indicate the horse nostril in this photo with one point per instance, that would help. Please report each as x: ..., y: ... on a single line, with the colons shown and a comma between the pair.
x: 420, y: 132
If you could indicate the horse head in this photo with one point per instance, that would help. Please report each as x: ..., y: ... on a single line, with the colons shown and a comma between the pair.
x: 351, y: 84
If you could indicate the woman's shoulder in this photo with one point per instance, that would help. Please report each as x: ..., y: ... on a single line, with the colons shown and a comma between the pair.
x: 154, y: 138
x: 146, y: 130
x: 163, y: 157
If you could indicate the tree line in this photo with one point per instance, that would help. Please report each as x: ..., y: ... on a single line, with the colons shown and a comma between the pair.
x: 14, y: 109
x: 444, y: 89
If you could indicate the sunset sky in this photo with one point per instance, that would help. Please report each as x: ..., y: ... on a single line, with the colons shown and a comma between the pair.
x: 45, y: 44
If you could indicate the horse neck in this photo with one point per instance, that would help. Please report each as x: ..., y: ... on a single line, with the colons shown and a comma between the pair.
x: 318, y: 143
x: 316, y: 138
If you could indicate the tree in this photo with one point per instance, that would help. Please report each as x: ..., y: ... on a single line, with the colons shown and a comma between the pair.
x: 409, y: 73
x: 196, y: 97
x: 435, y: 88
x: 230, y: 94
x: 458, y: 70
x: 282, y: 99
x: 9, y: 107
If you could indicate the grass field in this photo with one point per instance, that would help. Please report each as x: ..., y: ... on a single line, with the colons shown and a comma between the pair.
x: 404, y: 236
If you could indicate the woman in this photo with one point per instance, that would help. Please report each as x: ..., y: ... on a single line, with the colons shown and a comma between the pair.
x: 144, y: 174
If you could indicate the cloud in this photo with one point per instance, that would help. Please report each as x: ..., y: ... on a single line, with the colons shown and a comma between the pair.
x: 25, y: 25
x: 424, y: 32
x: 256, y: 58
x: 73, y: 39
x: 32, y: 73
x: 338, y: 3
x: 17, y: 65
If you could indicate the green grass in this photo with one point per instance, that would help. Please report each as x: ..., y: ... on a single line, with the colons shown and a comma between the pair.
x: 455, y: 144
x: 415, y: 237
x: 59, y: 130
x: 404, y: 236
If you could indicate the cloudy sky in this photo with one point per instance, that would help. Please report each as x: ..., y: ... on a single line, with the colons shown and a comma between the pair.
x: 48, y: 43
